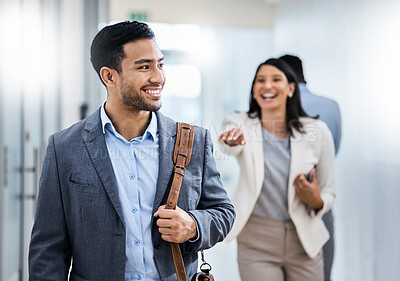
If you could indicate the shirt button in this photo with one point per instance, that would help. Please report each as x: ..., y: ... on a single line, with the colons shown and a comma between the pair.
x: 131, y: 176
x: 139, y: 277
x: 133, y: 210
x: 137, y: 242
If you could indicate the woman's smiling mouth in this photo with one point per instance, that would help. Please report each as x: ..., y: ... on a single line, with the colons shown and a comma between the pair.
x: 269, y: 96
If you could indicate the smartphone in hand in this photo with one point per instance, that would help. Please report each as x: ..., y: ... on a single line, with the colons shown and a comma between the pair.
x: 309, y: 176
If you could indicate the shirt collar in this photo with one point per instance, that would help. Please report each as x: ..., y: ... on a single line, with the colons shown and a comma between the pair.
x: 151, y: 128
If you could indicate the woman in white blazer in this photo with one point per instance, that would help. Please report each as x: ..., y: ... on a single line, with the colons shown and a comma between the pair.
x: 286, y: 180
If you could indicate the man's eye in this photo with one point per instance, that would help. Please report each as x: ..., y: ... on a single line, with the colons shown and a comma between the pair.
x: 144, y: 67
x: 161, y: 65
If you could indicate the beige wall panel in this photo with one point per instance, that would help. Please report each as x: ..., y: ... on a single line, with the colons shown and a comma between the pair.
x: 244, y: 13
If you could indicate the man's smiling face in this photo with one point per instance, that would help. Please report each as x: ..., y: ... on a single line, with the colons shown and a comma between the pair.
x: 142, y: 77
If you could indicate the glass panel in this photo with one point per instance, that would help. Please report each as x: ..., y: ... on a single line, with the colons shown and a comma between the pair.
x: 182, y: 92
x: 23, y: 73
x: 10, y: 88
x: 183, y: 81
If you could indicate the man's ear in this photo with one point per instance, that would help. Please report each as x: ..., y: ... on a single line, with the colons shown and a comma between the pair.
x: 108, y: 75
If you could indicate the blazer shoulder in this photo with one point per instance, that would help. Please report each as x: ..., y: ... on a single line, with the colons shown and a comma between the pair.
x: 202, y: 136
x: 325, y: 102
x: 322, y: 127
x: 317, y: 134
x: 329, y: 101
x: 165, y: 124
x: 314, y: 125
x: 69, y: 134
x: 200, y: 130
x: 306, y: 121
x: 74, y: 132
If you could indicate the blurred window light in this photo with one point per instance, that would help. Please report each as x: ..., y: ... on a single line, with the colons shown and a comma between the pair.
x: 33, y: 55
x: 11, y: 47
x: 177, y: 37
x: 182, y: 81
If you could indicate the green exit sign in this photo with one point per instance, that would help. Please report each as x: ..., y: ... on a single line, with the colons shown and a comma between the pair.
x: 139, y: 16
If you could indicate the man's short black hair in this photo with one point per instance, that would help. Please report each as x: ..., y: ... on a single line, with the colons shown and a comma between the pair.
x: 296, y: 64
x: 107, y: 46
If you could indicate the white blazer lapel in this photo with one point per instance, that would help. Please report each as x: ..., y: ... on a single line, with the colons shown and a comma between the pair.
x: 256, y: 138
x: 298, y: 150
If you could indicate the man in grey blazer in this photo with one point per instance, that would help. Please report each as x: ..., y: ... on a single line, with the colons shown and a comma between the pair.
x: 100, y: 213
x: 329, y: 112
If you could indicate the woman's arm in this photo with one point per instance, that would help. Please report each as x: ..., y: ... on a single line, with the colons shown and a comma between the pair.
x: 319, y: 194
x: 232, y: 140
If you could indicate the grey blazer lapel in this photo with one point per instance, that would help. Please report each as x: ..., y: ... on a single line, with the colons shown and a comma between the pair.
x: 166, y: 136
x: 95, y: 143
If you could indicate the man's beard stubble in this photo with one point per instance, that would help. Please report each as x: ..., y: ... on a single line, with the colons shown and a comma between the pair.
x: 134, y: 102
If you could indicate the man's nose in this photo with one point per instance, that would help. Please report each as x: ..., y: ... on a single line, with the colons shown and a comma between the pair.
x: 157, y: 76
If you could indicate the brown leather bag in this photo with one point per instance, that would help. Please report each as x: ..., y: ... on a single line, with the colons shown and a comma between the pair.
x: 204, y: 274
x: 182, y: 153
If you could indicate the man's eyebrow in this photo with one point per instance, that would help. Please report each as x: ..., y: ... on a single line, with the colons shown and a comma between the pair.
x: 147, y: 61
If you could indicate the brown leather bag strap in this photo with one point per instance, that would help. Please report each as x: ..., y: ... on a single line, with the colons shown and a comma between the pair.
x: 182, y: 153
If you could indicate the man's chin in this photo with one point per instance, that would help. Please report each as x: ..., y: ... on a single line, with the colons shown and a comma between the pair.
x: 143, y: 107
x: 155, y: 107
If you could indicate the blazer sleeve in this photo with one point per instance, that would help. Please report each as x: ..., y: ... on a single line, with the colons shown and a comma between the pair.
x: 215, y: 214
x: 230, y: 122
x: 326, y: 169
x: 49, y: 249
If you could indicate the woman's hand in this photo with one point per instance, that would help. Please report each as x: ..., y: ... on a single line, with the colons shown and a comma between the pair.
x: 233, y: 137
x: 309, y: 192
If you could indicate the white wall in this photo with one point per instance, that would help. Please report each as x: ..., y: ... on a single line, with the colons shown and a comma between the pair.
x: 254, y: 13
x: 350, y: 50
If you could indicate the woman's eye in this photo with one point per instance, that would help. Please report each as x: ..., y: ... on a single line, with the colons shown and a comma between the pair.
x: 260, y: 80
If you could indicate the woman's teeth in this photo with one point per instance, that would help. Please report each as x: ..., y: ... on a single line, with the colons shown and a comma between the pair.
x: 268, y: 96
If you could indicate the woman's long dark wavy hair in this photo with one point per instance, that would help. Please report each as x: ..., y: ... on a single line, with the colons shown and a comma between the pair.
x: 294, y: 110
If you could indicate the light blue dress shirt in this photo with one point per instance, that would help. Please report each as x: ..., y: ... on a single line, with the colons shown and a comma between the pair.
x: 135, y: 164
x: 327, y: 109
